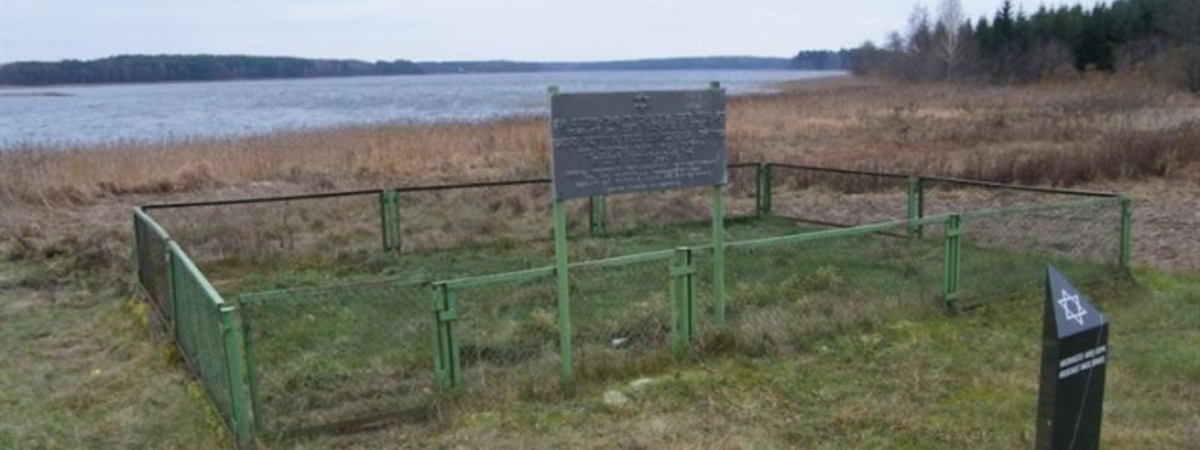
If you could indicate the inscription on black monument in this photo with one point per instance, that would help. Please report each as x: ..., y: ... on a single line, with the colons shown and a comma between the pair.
x: 1074, y: 357
x: 609, y: 143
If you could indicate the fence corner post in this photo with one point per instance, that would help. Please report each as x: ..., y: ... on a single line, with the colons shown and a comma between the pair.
x: 950, y: 282
x: 237, y: 387
x: 251, y: 357
x: 1126, y: 233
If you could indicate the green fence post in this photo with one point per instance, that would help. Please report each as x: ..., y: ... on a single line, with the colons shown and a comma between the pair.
x: 169, y: 296
x: 683, y: 300
x: 920, y: 205
x: 914, y: 211
x: 718, y: 253
x: 440, y: 349
x: 1126, y: 233
x: 383, y: 220
x: 450, y: 316
x: 563, y: 281
x: 397, y: 237
x: 447, y: 362
x: 563, y: 278
x: 237, y: 387
x: 692, y: 291
x: 598, y: 215
x: 138, y: 236
x: 389, y: 219
x: 763, y: 191
x: 251, y: 368
x: 950, y: 281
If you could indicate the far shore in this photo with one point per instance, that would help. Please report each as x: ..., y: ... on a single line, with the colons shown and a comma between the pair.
x: 9, y: 87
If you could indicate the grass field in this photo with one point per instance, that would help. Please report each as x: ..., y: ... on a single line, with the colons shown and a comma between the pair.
x: 920, y: 381
x: 335, y: 351
x: 80, y: 368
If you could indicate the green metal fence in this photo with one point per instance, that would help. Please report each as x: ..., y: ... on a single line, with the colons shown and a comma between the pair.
x: 340, y: 356
x: 834, y: 197
x: 854, y: 250
x: 1006, y: 250
x: 150, y: 252
x: 499, y: 335
x: 784, y: 292
x: 621, y: 314
x: 209, y: 338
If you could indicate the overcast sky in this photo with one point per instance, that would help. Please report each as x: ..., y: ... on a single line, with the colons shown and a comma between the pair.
x: 542, y: 30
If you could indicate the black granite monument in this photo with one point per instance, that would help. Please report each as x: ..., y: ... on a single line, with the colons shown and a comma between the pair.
x: 1074, y: 356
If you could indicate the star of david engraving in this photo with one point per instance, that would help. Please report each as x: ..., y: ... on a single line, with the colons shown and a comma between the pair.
x: 1067, y: 302
x: 641, y: 102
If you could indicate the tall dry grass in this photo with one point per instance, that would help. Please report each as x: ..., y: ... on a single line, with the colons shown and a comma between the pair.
x: 1057, y: 133
x: 1063, y: 133
x: 317, y: 159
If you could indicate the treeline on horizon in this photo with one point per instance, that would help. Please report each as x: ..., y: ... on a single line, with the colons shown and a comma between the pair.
x: 167, y: 68
x: 164, y: 68
x: 680, y: 63
x: 822, y: 60
x: 1156, y: 38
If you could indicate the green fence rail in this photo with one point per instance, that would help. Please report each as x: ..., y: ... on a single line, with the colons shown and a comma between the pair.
x: 862, y: 248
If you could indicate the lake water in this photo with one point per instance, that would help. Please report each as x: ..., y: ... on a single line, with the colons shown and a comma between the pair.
x: 156, y: 112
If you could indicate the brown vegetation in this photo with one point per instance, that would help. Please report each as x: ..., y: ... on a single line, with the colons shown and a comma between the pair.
x: 1105, y: 129
x: 1060, y: 134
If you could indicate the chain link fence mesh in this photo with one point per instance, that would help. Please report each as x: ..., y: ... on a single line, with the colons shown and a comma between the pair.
x: 837, y: 198
x: 781, y: 297
x: 1005, y: 252
x: 621, y: 317
x: 634, y: 211
x: 345, y: 228
x: 440, y: 219
x: 333, y: 355
x: 150, y: 242
x: 200, y: 335
x: 508, y: 339
x: 741, y: 193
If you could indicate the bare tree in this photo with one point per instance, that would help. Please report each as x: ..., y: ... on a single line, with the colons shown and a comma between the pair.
x: 950, y: 36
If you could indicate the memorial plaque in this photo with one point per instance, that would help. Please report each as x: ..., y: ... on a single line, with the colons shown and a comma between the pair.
x: 1074, y: 357
x: 609, y: 143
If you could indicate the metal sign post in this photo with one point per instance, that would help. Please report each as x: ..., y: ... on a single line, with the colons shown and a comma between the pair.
x: 621, y: 142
